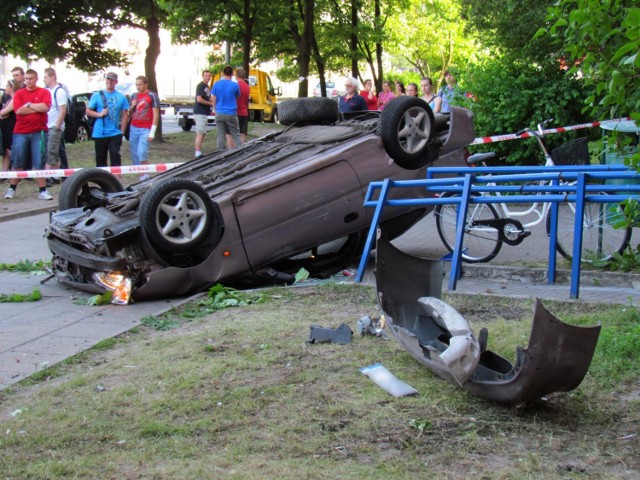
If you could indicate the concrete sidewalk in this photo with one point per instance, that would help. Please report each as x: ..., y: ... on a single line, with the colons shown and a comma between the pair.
x: 36, y: 335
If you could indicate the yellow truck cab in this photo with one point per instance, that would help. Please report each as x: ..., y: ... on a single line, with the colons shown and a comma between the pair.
x: 263, y: 99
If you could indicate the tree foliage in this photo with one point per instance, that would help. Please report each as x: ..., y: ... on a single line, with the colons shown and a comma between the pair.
x: 522, y: 81
x: 601, y: 41
x: 430, y: 37
x: 64, y: 30
x: 77, y: 32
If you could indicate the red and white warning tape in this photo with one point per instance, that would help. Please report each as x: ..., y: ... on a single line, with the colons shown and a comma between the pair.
x: 163, y: 167
x: 124, y: 170
x: 513, y: 136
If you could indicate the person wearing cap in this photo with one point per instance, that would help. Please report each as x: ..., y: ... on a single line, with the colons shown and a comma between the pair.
x: 145, y: 114
x: 31, y: 105
x: 110, y: 109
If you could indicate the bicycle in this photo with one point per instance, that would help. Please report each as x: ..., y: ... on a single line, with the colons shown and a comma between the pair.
x: 488, y: 228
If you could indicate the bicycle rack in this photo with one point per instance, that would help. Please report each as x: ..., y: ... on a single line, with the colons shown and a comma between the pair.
x: 465, y: 183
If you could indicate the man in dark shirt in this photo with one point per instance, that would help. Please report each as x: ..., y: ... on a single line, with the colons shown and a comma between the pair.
x: 202, y: 109
x: 352, y: 101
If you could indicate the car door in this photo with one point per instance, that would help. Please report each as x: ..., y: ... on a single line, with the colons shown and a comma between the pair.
x: 300, y: 213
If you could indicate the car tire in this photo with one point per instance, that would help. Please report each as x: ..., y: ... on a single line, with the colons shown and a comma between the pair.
x: 187, y: 125
x: 82, y: 133
x: 407, y: 126
x: 177, y: 215
x: 308, y: 111
x: 87, y: 189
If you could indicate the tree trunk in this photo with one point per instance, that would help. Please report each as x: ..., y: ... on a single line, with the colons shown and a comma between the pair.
x: 353, y: 41
x: 378, y: 48
x: 247, y: 35
x: 304, y: 42
x: 151, y: 56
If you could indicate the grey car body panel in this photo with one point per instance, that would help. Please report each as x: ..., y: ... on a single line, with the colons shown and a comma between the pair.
x: 556, y: 359
x: 278, y: 195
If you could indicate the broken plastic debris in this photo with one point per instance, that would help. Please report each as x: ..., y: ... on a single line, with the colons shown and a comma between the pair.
x: 341, y: 335
x: 368, y: 326
x: 386, y: 380
x: 364, y: 325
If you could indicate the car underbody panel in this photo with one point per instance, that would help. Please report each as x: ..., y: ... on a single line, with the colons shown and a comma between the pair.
x: 556, y: 359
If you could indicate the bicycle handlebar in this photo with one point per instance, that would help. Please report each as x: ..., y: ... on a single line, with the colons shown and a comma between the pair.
x: 533, y: 133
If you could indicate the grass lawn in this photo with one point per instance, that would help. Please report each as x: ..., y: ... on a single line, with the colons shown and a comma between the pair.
x: 236, y: 393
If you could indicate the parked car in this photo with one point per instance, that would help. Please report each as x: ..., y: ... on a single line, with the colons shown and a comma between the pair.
x: 80, y: 130
x: 332, y: 90
x: 257, y: 213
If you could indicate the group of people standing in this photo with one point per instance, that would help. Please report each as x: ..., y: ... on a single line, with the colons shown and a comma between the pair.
x: 32, y: 124
x: 112, y: 112
x: 439, y: 102
x: 230, y: 101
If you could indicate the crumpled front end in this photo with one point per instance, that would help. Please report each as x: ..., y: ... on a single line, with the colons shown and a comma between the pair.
x: 556, y: 359
x: 87, y: 244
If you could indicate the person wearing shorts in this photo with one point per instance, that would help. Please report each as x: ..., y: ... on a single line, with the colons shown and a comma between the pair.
x: 243, y: 104
x: 224, y: 96
x: 55, y: 123
x: 201, y: 110
x: 31, y: 105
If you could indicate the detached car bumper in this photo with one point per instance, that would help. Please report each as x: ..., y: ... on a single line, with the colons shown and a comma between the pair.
x: 556, y: 359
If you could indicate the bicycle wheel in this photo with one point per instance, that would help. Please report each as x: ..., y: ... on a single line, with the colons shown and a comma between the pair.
x: 480, y: 243
x: 600, y: 240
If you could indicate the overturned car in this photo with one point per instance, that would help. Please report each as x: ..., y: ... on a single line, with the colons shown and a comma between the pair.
x: 254, y: 214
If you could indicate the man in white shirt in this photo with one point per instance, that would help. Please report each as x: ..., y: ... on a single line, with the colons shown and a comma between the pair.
x: 55, y: 122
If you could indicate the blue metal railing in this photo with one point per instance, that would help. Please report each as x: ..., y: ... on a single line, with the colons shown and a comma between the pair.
x: 567, y: 184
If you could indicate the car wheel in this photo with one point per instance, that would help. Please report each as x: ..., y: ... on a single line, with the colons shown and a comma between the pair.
x: 82, y: 133
x: 88, y: 188
x: 187, y: 125
x: 407, y: 127
x: 177, y: 215
x: 308, y: 111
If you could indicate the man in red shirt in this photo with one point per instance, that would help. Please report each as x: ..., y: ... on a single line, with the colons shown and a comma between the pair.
x: 243, y: 104
x: 31, y: 105
x: 144, y: 112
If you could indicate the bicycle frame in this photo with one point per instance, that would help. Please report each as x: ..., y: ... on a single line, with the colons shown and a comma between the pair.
x: 534, y: 207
